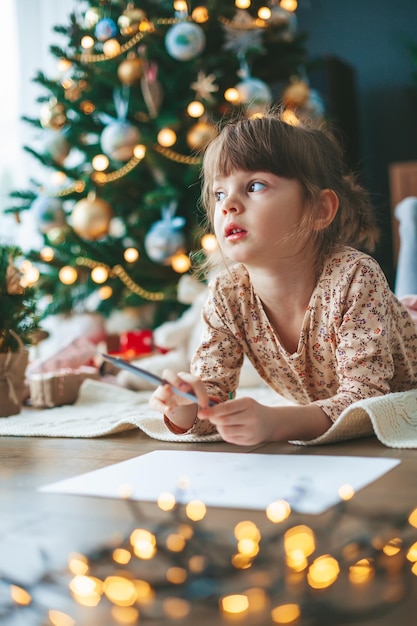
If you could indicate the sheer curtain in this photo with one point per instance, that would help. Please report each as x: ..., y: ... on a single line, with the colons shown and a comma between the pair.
x: 26, y: 34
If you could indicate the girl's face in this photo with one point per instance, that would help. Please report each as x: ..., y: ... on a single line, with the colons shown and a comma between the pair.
x: 256, y: 217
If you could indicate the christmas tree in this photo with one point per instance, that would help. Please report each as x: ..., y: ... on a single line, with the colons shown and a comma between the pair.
x: 139, y: 92
x: 19, y: 320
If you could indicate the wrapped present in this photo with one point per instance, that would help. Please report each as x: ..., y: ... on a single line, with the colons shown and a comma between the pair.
x: 135, y: 343
x: 50, y: 389
x: 78, y: 352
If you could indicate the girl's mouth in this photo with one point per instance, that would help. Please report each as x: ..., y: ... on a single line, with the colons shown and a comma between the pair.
x: 234, y: 232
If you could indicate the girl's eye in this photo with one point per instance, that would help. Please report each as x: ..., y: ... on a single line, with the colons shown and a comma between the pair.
x: 256, y: 186
x: 219, y: 196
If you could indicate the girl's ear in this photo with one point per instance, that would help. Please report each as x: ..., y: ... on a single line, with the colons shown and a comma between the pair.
x: 328, y: 206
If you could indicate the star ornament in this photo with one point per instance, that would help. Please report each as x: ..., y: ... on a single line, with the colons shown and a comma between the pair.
x: 242, y: 34
x: 204, y: 86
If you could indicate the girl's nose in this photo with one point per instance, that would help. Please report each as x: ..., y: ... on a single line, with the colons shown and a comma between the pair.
x: 230, y: 205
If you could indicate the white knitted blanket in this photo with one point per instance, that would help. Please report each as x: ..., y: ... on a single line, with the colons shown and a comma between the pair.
x: 102, y: 409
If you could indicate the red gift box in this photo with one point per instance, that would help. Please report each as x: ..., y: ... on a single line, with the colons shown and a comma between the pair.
x: 136, y: 342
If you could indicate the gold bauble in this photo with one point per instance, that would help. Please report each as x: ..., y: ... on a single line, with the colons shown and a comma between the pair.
x: 296, y: 94
x: 130, y: 71
x: 200, y: 135
x: 90, y: 218
x: 53, y: 115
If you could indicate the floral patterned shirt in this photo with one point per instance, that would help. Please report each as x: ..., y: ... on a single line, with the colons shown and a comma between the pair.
x: 357, y: 339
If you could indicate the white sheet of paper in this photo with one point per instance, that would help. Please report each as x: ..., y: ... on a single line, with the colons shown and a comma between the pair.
x: 232, y: 480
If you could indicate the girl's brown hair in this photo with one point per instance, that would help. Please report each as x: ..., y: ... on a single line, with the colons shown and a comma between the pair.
x: 308, y: 154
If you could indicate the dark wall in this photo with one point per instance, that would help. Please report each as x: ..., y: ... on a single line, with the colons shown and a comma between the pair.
x: 373, y: 37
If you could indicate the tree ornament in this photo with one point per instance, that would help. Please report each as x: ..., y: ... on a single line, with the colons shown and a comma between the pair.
x: 165, y: 237
x: 204, y: 86
x: 56, y: 145
x: 130, y: 20
x: 90, y: 218
x: 130, y: 71
x: 118, y: 140
x: 119, y: 136
x: 241, y: 36
x: 315, y: 107
x: 49, y: 213
x: 151, y: 88
x: 53, y: 115
x: 254, y: 94
x: 295, y: 94
x: 106, y: 28
x: 13, y: 280
x: 91, y: 17
x: 185, y: 40
x: 283, y: 23
x: 200, y: 135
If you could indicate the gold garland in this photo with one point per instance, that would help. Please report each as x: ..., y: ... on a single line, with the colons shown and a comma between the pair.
x: 77, y: 187
x: 177, y: 157
x: 99, y: 58
x: 153, y: 296
x: 98, y: 177
x: 101, y: 178
x: 119, y: 272
x: 256, y: 23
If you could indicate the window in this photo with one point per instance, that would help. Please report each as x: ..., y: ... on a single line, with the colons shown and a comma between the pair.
x: 26, y: 32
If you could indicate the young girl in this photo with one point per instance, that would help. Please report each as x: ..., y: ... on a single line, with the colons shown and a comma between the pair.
x: 313, y: 314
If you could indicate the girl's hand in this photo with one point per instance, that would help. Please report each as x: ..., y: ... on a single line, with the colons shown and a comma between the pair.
x: 165, y: 400
x: 243, y: 421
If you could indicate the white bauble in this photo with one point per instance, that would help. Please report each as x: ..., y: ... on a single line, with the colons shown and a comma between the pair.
x: 49, y: 213
x: 56, y: 145
x: 254, y: 93
x: 118, y: 140
x: 164, y: 239
x: 185, y: 40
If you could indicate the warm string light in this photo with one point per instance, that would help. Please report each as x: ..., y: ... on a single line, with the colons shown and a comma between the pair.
x: 29, y: 274
x: 180, y: 6
x: 242, y: 4
x: 47, y: 254
x: 181, y: 263
x: 289, y: 5
x: 209, y: 242
x: 195, y: 109
x: 264, y: 13
x: 200, y: 15
x: 166, y: 137
x: 131, y: 255
x: 67, y: 275
x: 100, y: 162
x: 115, y: 576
